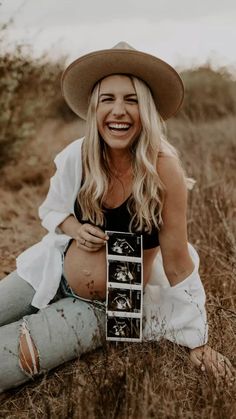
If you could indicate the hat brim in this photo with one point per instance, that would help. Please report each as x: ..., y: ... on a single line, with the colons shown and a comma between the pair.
x: 82, y: 74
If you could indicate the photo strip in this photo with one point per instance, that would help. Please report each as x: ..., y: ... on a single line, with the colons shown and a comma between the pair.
x: 124, y: 302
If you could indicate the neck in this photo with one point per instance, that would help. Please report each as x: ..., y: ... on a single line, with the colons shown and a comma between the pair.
x: 119, y: 161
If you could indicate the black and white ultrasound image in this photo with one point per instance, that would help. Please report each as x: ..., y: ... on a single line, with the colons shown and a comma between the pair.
x: 122, y: 244
x: 125, y: 272
x: 124, y: 300
x: 123, y: 328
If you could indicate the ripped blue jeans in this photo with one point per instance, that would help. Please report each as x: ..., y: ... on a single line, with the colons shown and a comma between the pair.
x: 60, y: 332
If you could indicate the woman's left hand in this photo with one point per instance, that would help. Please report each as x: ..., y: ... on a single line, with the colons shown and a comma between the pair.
x: 212, y: 361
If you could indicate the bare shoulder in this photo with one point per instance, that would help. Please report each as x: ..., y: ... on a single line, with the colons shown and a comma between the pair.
x: 165, y: 150
x: 171, y: 173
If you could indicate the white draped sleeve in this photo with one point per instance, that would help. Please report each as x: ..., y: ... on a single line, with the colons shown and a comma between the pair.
x: 41, y: 264
x: 59, y: 203
x: 176, y: 313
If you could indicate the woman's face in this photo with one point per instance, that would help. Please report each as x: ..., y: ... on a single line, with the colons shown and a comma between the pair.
x: 118, y: 118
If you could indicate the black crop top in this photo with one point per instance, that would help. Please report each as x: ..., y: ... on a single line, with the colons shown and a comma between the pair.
x: 118, y: 219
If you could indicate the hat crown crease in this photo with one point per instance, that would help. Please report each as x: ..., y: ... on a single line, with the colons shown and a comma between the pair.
x: 123, y: 45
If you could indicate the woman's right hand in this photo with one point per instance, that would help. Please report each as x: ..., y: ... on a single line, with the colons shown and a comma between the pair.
x: 90, y: 238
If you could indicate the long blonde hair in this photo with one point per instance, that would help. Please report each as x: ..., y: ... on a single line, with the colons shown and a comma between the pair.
x: 146, y: 201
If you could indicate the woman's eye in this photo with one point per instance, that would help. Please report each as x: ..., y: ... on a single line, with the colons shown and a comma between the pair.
x: 132, y: 100
x: 106, y: 99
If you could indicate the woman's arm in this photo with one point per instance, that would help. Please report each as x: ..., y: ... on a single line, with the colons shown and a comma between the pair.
x: 178, y: 310
x: 56, y: 212
x: 177, y: 262
x: 70, y: 226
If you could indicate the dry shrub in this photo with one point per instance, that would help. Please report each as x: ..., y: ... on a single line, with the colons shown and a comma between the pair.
x: 209, y: 94
x: 27, y: 88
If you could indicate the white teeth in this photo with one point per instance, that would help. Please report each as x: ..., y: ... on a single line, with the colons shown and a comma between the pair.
x: 119, y: 126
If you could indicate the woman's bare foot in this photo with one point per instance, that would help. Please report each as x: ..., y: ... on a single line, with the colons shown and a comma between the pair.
x: 212, y: 361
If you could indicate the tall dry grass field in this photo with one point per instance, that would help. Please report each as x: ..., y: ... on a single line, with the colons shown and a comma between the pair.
x: 154, y: 380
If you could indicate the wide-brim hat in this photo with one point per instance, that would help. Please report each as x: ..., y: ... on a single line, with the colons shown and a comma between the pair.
x: 81, y: 75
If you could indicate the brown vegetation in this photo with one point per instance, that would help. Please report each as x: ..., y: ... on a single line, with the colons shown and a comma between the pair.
x: 153, y: 380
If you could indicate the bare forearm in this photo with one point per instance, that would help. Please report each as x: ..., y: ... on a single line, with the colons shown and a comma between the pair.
x: 177, y: 272
x: 70, y: 226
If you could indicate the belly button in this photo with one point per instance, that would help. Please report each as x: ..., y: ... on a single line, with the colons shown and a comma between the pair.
x: 86, y: 272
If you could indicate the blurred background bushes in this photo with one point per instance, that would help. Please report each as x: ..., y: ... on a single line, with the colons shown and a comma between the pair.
x: 209, y: 94
x: 28, y: 88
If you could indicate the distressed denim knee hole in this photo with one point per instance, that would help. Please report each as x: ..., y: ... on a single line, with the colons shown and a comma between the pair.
x: 28, y: 353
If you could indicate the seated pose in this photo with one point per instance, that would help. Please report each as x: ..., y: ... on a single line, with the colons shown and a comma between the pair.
x: 123, y: 176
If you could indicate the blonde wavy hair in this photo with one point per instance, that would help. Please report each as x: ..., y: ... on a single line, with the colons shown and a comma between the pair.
x: 146, y: 201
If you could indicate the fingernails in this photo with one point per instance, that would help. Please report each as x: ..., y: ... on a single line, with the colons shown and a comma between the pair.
x: 203, y: 368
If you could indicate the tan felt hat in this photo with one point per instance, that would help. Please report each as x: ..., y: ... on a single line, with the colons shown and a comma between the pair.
x: 81, y: 75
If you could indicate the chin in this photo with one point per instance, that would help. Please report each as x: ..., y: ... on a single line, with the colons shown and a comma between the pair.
x: 118, y: 143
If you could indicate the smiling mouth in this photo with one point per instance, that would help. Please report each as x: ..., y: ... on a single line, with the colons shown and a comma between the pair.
x: 118, y: 127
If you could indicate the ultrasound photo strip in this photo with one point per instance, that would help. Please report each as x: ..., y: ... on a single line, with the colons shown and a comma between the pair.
x: 124, y: 287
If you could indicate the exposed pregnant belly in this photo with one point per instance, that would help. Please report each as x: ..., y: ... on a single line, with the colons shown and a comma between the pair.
x: 86, y: 272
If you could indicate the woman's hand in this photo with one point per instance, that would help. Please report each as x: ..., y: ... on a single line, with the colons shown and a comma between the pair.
x: 212, y: 361
x: 90, y: 238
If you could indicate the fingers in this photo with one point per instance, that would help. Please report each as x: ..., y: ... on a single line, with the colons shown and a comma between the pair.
x: 86, y: 245
x: 224, y: 368
x: 197, y: 359
x: 96, y: 231
x: 93, y: 239
x: 88, y: 248
x: 208, y: 359
x: 228, y: 363
x: 194, y: 358
x: 222, y: 373
x: 90, y: 238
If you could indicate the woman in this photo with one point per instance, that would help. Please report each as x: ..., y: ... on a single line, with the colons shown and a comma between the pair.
x: 122, y: 176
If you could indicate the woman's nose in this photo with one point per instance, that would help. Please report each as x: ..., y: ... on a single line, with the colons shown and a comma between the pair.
x: 118, y: 108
